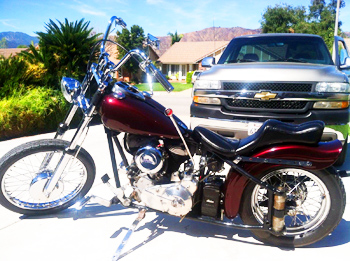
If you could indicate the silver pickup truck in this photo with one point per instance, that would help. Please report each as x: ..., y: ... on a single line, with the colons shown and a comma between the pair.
x: 288, y: 77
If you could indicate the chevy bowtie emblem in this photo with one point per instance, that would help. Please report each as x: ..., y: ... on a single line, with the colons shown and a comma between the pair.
x: 265, y: 96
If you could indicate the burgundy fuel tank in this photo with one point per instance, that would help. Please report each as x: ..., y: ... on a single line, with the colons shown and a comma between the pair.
x: 136, y: 116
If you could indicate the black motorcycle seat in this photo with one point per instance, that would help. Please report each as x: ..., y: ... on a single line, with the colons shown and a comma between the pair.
x: 271, y: 132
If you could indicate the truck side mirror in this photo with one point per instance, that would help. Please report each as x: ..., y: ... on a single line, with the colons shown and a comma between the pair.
x: 208, y: 62
x: 345, y: 64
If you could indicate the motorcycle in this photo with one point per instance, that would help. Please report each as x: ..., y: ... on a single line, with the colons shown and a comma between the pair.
x: 281, y: 182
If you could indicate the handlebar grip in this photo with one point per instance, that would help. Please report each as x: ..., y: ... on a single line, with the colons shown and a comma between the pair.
x: 161, y: 78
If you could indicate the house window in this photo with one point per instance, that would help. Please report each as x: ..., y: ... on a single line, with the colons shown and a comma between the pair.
x: 174, y: 69
x: 165, y: 69
x: 184, y: 70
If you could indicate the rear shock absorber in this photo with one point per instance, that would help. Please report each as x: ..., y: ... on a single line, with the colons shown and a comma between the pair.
x: 279, y: 207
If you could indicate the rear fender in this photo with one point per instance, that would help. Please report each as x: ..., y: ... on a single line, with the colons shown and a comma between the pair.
x: 322, y: 156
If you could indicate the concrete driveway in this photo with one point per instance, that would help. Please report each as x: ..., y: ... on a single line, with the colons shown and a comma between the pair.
x: 95, y: 232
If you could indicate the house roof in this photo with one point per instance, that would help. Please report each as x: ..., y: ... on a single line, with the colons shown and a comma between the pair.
x: 191, y: 52
x: 6, y: 52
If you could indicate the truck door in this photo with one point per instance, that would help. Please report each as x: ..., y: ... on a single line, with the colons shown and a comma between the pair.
x: 341, y: 55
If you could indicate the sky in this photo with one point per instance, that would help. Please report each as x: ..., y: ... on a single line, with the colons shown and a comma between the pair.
x: 157, y: 17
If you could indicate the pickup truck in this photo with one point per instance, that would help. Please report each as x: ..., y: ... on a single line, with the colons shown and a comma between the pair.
x: 288, y: 77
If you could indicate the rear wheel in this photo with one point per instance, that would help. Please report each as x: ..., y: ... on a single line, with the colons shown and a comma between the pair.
x: 314, y: 206
x: 23, y: 175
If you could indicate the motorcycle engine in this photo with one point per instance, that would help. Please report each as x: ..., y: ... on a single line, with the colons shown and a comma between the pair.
x: 153, y: 185
x: 149, y: 160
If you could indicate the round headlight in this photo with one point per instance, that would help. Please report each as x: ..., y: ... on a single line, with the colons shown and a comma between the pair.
x: 70, y: 88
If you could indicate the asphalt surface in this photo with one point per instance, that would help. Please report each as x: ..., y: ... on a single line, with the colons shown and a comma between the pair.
x: 95, y: 232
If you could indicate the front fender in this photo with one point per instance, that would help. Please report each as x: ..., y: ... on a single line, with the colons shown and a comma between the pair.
x: 322, y: 156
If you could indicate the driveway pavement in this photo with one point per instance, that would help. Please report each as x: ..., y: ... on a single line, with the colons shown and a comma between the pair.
x: 95, y: 232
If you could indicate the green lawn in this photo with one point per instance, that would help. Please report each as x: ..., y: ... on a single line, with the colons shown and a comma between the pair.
x: 178, y: 86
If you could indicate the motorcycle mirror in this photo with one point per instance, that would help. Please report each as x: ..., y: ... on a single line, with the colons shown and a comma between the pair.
x: 153, y: 41
x: 120, y: 21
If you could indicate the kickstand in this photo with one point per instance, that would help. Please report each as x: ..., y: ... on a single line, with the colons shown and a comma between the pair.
x: 140, y: 216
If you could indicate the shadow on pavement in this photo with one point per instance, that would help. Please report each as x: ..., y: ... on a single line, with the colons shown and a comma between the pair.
x: 339, y: 236
x: 165, y: 223
x: 90, y: 211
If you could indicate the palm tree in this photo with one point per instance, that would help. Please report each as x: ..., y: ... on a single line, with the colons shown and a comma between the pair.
x: 175, y: 37
x: 33, y: 55
x: 66, y: 47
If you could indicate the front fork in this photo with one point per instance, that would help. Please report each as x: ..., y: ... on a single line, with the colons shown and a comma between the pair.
x: 66, y: 157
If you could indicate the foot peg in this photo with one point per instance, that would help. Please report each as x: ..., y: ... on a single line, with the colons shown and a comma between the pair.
x: 119, y: 192
x: 101, y: 201
x: 140, y: 216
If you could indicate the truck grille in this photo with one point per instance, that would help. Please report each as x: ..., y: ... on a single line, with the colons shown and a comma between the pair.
x: 268, y: 86
x: 270, y: 105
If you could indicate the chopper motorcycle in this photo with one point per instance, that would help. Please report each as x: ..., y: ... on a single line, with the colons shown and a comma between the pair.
x: 281, y: 182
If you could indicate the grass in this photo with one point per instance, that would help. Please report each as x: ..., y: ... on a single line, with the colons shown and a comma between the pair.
x: 178, y: 86
x: 344, y: 129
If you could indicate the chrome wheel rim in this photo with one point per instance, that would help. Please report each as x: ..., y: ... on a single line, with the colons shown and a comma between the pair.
x: 308, y: 201
x: 23, y: 182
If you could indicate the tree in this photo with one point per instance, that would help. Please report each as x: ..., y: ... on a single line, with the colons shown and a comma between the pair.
x: 287, y: 19
x: 3, y: 43
x: 22, y: 46
x: 34, y: 55
x: 132, y: 39
x: 66, y: 48
x: 175, y: 37
x: 283, y: 19
x: 316, y: 8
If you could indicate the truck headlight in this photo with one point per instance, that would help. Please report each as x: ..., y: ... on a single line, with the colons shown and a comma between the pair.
x: 331, y: 105
x: 332, y: 87
x: 206, y: 100
x: 205, y: 84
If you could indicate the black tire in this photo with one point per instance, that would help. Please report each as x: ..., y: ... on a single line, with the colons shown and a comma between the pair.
x: 21, y: 166
x: 312, y: 228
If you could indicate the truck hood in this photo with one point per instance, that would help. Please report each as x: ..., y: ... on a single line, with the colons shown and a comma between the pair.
x: 274, y: 72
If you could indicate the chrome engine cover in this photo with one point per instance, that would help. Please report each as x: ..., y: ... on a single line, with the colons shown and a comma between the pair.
x: 149, y: 160
x: 174, y: 198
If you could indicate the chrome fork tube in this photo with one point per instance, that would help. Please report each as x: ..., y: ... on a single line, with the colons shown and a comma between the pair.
x: 65, y: 158
x: 63, y: 127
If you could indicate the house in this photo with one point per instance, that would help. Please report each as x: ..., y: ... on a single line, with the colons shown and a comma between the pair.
x: 7, y: 52
x: 183, y: 57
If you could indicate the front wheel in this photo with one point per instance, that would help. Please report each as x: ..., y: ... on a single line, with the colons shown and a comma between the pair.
x: 314, y: 205
x: 26, y: 169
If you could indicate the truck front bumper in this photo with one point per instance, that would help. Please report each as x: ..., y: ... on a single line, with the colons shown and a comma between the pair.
x: 239, y: 125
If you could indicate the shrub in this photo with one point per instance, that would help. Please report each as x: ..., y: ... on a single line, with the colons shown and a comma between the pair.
x: 189, y: 77
x: 16, y: 74
x: 33, y: 111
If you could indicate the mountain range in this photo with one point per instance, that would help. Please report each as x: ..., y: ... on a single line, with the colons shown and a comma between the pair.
x: 207, y: 34
x: 15, y: 39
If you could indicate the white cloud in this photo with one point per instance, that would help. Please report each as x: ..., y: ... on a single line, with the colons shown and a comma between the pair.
x: 86, y: 9
x: 6, y: 22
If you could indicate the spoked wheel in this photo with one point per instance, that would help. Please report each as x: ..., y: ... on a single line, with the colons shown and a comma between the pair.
x: 25, y: 170
x: 314, y: 205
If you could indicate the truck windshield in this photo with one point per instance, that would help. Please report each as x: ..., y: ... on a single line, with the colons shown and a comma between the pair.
x: 299, y: 49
